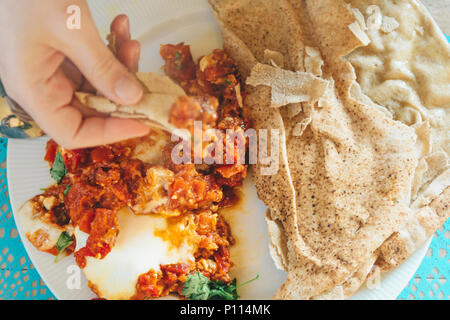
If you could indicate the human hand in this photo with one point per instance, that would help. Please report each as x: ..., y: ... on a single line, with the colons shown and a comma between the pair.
x: 43, y: 63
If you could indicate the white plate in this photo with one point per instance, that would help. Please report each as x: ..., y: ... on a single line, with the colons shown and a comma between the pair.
x: 153, y: 23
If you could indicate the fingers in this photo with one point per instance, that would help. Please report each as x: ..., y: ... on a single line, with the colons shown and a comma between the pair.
x: 59, y: 116
x: 72, y: 73
x: 121, y: 28
x: 128, y: 51
x: 97, y: 63
x: 93, y: 131
x: 69, y: 128
x: 42, y: 81
x: 87, y: 128
x: 129, y: 54
x: 86, y: 111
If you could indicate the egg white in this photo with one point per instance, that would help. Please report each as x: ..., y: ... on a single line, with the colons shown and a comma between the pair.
x: 137, y: 250
x: 33, y: 221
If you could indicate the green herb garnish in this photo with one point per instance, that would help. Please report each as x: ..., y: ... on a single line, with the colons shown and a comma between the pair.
x: 196, y: 287
x: 67, y: 189
x: 199, y: 287
x: 64, y: 241
x: 58, y: 171
x: 229, y: 82
x: 222, y: 291
x: 178, y: 59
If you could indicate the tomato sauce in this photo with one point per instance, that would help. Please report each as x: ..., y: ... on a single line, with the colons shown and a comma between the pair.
x: 105, y: 179
x: 179, y: 63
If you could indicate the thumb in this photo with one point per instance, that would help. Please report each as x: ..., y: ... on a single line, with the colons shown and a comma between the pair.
x: 97, y: 63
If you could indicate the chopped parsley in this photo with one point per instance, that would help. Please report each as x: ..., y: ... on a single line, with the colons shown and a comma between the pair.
x: 58, y: 171
x: 199, y: 287
x: 178, y: 59
x: 196, y: 287
x: 229, y: 82
x: 64, y: 241
x: 67, y: 189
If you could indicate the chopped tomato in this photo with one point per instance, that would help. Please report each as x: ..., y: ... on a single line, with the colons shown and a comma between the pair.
x: 79, y: 204
x: 147, y: 285
x: 223, y: 262
x: 177, y: 269
x: 75, y: 159
x: 230, y: 198
x: 179, y: 63
x: 101, y: 154
x: 103, y: 231
x: 50, y: 153
x: 104, y: 225
x: 219, y: 69
x: 192, y: 191
x: 80, y: 256
x: 106, y: 175
x: 186, y: 110
x: 206, y: 223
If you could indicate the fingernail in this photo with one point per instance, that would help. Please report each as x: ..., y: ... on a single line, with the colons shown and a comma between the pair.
x: 128, y: 90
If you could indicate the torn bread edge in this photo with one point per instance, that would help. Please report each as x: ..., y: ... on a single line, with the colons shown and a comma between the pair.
x: 153, y: 109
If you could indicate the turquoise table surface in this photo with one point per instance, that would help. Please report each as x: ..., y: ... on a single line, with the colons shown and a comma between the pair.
x: 19, y: 279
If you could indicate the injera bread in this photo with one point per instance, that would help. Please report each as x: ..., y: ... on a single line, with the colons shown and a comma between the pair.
x: 160, y: 93
x: 344, y: 184
x: 407, y: 71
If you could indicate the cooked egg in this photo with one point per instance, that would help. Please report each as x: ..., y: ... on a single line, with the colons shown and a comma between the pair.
x: 39, y: 230
x: 137, y: 251
x: 150, y: 148
x: 153, y: 193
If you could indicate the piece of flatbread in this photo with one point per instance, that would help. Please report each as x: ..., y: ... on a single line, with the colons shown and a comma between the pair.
x: 412, y: 83
x: 274, y: 58
x: 343, y: 188
x: 287, y: 87
x: 156, y: 83
x: 154, y: 107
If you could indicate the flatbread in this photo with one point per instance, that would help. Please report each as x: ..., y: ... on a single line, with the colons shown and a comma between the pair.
x: 344, y: 186
x: 156, y: 83
x: 313, y: 61
x: 160, y: 93
x: 287, y: 87
x: 406, y: 69
x: 439, y: 182
x: 273, y: 58
x: 154, y: 107
x: 416, y: 231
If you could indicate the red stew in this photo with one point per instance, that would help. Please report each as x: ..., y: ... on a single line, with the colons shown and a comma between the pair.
x: 105, y: 179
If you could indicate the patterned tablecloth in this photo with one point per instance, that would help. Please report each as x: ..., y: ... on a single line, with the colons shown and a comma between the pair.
x: 19, y: 279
